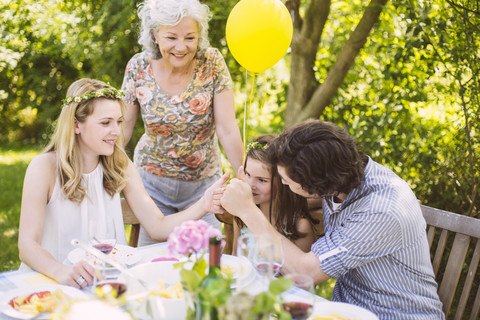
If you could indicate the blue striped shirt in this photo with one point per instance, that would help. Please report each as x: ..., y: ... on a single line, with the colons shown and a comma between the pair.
x: 387, y: 268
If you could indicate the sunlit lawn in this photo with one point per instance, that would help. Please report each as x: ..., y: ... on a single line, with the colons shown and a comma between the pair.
x: 13, y: 163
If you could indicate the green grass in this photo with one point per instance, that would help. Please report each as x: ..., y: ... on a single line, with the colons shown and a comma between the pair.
x: 13, y: 164
x: 325, y: 289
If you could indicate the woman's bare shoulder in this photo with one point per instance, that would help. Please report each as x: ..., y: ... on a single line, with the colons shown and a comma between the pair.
x: 44, y: 162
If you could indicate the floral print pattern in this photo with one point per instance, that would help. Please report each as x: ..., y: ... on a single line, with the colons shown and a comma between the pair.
x: 179, y: 140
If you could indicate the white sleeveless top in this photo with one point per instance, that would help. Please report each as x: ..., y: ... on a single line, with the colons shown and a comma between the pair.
x: 66, y: 220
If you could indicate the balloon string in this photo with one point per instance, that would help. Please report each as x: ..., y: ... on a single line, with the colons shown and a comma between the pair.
x: 265, y: 93
x: 245, y: 118
x: 246, y: 112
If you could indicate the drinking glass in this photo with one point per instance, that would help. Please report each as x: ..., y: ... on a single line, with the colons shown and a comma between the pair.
x: 102, y: 236
x: 259, y: 250
x: 107, y: 278
x: 299, y: 303
x: 278, y: 255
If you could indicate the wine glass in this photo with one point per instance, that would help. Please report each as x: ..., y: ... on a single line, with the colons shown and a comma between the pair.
x: 259, y: 250
x: 300, y: 302
x: 102, y: 236
x: 278, y: 255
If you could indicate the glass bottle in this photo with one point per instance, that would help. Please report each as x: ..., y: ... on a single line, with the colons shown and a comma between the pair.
x: 215, y: 289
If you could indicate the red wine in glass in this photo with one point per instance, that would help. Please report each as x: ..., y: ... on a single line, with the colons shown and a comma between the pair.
x: 104, y: 247
x: 298, y: 310
x: 276, y: 268
x: 262, y: 268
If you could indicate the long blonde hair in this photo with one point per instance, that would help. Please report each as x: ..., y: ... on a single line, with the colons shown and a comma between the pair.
x: 65, y: 143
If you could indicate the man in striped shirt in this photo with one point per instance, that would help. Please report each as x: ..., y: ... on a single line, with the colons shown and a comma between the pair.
x: 367, y: 209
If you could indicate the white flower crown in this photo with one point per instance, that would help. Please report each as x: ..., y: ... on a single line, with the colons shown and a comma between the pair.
x: 102, y: 93
x: 256, y: 145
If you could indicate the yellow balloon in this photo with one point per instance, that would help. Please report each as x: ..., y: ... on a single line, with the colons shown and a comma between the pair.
x: 259, y: 33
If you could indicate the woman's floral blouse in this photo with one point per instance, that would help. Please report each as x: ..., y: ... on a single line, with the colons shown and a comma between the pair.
x: 179, y: 140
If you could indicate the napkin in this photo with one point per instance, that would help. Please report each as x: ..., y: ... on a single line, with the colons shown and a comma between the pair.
x: 39, y: 279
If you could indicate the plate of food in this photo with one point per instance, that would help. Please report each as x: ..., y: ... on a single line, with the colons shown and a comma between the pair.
x: 37, y: 301
x: 122, y: 253
x: 327, y: 310
x: 164, y: 289
x: 239, y: 268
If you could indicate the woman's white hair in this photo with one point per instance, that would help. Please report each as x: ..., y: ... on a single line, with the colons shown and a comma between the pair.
x: 157, y: 13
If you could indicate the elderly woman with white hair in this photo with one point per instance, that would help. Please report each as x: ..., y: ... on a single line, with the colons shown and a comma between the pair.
x: 184, y: 92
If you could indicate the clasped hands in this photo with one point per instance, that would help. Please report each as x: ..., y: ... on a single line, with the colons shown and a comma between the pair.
x: 235, y: 198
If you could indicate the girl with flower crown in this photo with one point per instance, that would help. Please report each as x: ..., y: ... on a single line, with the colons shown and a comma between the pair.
x: 79, y: 176
x: 285, y: 210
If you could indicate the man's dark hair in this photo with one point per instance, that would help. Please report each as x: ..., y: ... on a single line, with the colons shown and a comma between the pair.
x: 320, y: 156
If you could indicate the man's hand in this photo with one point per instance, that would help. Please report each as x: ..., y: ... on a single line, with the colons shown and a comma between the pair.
x: 237, y: 196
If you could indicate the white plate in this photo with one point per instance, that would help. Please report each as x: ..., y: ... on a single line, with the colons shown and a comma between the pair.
x: 243, y: 269
x: 70, y: 292
x: 125, y: 254
x: 344, y: 309
x: 150, y: 273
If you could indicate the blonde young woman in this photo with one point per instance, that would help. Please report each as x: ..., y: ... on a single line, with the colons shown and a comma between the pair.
x: 80, y: 175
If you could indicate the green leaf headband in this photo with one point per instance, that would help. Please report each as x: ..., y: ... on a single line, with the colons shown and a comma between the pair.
x: 256, y: 145
x: 102, y: 93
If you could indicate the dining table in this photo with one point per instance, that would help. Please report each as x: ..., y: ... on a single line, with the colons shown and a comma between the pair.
x: 24, y: 279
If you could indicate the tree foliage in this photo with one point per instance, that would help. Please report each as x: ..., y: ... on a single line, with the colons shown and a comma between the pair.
x: 403, y: 82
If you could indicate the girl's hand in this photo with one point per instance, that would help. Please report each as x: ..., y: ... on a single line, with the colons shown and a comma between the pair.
x: 79, y: 275
x: 216, y: 203
x: 208, y: 197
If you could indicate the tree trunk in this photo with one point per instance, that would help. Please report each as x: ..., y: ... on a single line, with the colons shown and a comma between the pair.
x: 306, y: 38
x: 306, y: 97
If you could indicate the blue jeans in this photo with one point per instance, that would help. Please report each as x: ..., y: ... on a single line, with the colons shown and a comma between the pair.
x: 172, y: 196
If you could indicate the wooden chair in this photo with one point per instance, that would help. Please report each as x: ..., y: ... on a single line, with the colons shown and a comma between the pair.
x: 227, y: 220
x: 463, y: 251
x: 129, y: 218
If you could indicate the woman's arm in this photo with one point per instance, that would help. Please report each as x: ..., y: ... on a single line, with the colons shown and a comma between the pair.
x: 131, y: 115
x: 227, y: 128
x: 37, y: 188
x: 151, y: 218
x: 305, y: 243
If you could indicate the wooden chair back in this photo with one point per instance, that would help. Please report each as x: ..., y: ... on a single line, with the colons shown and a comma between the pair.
x: 129, y: 218
x: 227, y: 221
x: 458, y: 237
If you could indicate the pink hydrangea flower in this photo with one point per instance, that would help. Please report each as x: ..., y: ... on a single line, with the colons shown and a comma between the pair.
x: 190, y: 237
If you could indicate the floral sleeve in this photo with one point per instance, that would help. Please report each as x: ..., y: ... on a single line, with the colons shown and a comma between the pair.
x: 128, y: 85
x: 223, y: 80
